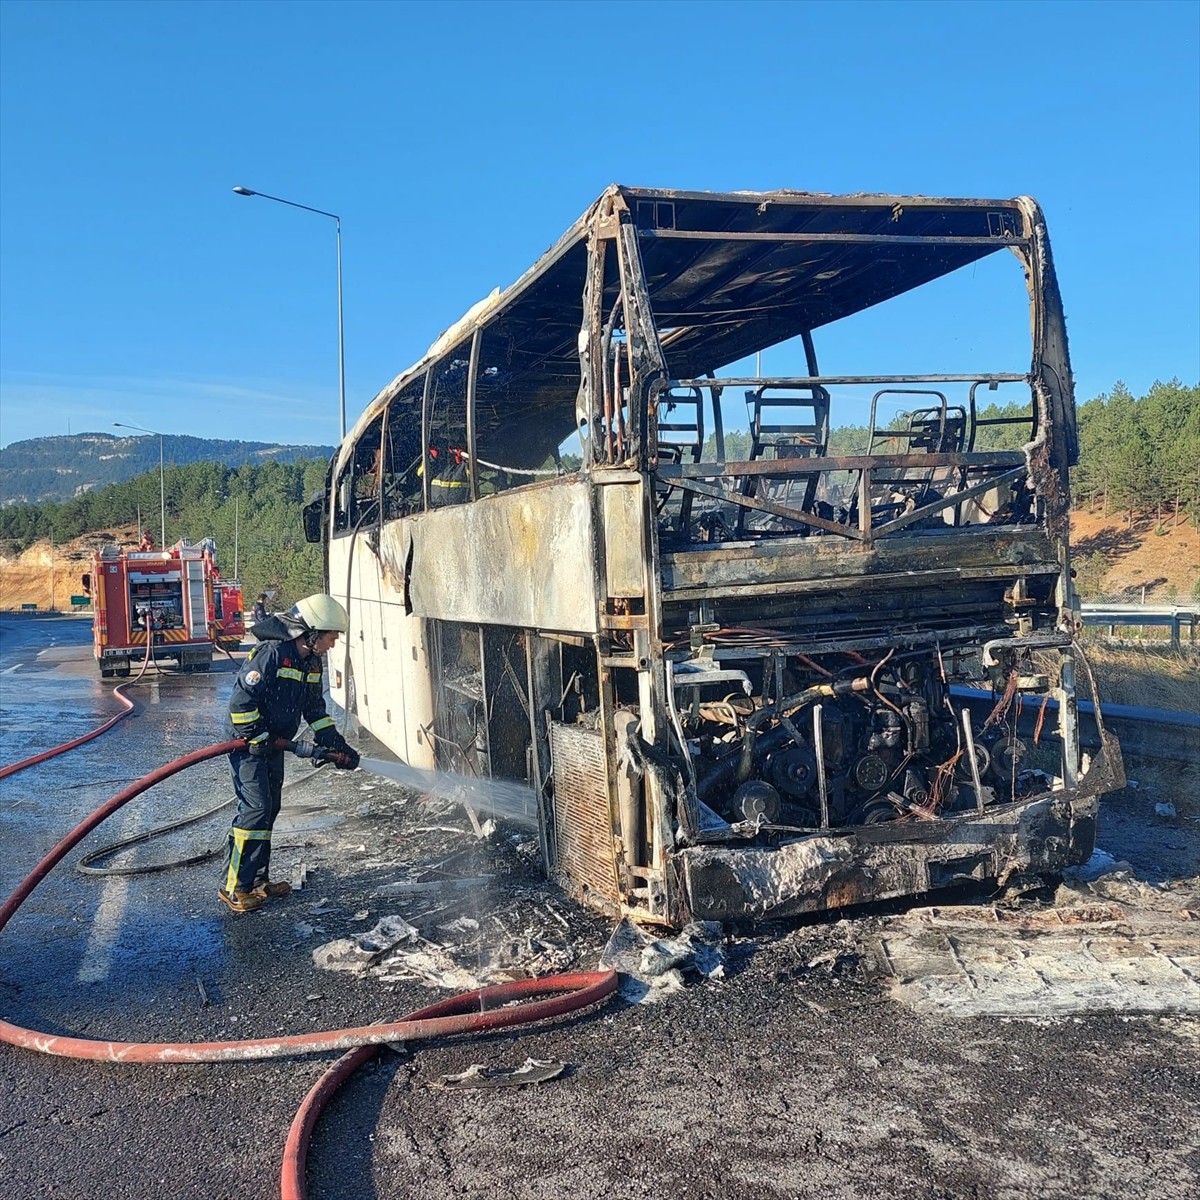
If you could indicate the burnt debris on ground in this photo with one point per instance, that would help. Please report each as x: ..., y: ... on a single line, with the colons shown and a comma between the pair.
x: 442, y: 901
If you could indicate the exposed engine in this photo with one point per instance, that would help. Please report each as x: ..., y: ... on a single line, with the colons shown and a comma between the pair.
x: 846, y: 743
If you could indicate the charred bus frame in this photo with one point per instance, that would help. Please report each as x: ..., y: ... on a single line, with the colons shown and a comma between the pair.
x: 727, y: 684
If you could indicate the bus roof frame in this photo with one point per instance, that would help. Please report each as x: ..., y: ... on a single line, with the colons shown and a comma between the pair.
x: 798, y: 260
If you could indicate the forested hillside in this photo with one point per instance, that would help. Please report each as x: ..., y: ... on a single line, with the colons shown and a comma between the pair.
x: 1139, y: 454
x: 254, y: 510
x: 57, y: 468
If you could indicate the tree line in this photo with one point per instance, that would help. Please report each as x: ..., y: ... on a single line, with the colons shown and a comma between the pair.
x: 251, y: 511
x: 1141, y: 454
x: 55, y: 468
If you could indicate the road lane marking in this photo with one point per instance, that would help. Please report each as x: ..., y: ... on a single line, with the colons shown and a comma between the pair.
x: 97, y: 955
x: 96, y: 965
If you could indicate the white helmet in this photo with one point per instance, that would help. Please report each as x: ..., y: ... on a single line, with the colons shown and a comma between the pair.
x: 320, y: 614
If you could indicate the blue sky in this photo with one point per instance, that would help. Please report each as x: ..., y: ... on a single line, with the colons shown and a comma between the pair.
x: 457, y: 141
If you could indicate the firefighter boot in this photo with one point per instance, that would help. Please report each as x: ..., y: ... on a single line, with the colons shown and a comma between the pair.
x: 270, y: 890
x: 240, y: 902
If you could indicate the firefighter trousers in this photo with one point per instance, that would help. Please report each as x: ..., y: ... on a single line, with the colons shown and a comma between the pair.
x: 258, y: 782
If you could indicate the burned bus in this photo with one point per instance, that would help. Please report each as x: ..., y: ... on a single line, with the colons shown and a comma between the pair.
x: 743, y: 668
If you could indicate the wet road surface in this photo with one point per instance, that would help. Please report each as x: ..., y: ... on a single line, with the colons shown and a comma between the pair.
x: 148, y: 957
x: 796, y: 1076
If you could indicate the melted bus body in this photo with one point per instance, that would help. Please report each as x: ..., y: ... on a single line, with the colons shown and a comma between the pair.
x: 739, y: 674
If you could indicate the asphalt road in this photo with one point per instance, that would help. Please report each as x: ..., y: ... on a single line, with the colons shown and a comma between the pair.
x: 794, y: 1076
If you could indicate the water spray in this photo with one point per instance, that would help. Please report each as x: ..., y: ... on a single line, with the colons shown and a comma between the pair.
x: 516, y: 802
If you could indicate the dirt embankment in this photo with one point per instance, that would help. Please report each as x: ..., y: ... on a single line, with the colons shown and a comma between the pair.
x: 49, y: 575
x: 1117, y: 559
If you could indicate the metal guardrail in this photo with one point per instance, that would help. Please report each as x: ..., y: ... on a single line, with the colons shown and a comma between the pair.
x: 1146, y: 732
x: 1172, y: 616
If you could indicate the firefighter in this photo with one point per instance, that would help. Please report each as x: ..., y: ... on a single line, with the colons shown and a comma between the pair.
x: 448, y: 476
x: 281, y: 682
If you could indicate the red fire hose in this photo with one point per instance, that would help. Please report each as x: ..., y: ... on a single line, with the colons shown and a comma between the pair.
x: 580, y: 990
x: 105, y: 811
x: 13, y: 768
x: 470, y: 1012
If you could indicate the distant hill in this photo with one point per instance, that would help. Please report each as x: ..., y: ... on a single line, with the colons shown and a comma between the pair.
x: 59, y: 468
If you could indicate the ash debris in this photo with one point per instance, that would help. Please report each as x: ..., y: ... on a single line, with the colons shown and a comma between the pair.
x: 438, y: 896
x: 654, y: 967
x: 451, y: 900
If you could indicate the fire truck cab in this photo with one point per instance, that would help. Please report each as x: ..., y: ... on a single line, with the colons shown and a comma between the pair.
x: 164, y: 596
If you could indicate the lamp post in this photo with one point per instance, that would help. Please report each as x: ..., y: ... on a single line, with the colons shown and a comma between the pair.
x: 162, y: 491
x: 245, y: 191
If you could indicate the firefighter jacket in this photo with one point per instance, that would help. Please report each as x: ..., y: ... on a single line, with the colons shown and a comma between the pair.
x: 449, y: 477
x: 276, y: 688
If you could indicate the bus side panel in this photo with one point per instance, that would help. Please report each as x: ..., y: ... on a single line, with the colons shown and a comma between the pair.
x: 393, y: 694
x: 528, y: 566
x: 338, y: 663
x: 394, y: 690
x: 369, y: 653
x: 408, y: 691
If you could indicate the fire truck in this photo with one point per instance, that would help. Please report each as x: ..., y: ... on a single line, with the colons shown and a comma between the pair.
x: 174, y: 598
x: 229, y: 621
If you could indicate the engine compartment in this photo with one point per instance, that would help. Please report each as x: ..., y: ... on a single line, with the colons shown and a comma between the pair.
x: 794, y: 742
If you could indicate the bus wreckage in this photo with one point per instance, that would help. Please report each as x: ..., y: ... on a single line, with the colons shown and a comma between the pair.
x: 740, y: 674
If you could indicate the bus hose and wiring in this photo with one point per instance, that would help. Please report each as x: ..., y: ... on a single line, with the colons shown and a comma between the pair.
x: 517, y: 1003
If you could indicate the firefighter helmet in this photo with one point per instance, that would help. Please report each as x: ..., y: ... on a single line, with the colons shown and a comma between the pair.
x: 320, y: 614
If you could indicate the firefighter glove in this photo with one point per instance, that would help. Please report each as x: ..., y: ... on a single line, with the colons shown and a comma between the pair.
x: 344, y: 760
x: 259, y: 747
x: 331, y: 740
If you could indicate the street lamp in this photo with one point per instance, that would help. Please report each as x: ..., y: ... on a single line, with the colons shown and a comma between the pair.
x: 162, y: 491
x: 245, y: 191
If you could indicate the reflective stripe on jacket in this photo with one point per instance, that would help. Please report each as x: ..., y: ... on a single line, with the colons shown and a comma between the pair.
x: 276, y: 689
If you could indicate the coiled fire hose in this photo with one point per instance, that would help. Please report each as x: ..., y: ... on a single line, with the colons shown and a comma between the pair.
x: 470, y: 1012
